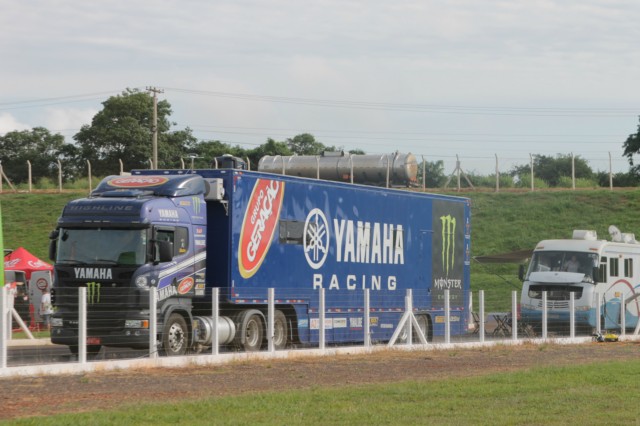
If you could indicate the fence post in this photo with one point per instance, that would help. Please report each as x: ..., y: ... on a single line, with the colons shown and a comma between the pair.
x: 573, y: 171
x: 598, y: 325
x: 29, y: 174
x: 351, y: 166
x: 497, y: 175
x: 59, y: 176
x: 89, y: 175
x: 408, y: 307
x: 4, y: 317
x: 447, y: 318
x: 121, y: 166
x: 572, y: 315
x: 367, y: 326
x: 424, y: 174
x: 271, y: 311
x: 514, y: 315
x: 215, y: 308
x: 481, y: 314
x: 544, y: 314
x: 2, y: 175
x: 153, y: 322
x: 321, y: 318
x: 82, y: 325
x: 531, y: 165
x: 623, y: 317
x: 610, y: 174
x: 388, y: 170
x: 318, y: 167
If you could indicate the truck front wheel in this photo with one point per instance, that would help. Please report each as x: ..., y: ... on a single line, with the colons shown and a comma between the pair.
x: 175, y: 336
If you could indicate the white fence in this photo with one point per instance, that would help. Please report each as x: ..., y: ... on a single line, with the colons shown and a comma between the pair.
x: 456, y: 176
x: 481, y: 329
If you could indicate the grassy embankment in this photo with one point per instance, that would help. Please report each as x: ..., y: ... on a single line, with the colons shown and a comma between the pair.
x: 500, y: 223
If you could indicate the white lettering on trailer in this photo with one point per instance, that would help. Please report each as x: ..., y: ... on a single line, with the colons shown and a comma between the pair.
x: 352, y: 282
x: 360, y: 244
x: 261, y: 213
x: 93, y: 273
x: 448, y: 283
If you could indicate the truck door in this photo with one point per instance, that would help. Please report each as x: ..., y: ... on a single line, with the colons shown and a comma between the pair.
x: 180, y: 275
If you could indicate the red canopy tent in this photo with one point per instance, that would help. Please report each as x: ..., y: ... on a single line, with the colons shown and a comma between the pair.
x: 21, y: 260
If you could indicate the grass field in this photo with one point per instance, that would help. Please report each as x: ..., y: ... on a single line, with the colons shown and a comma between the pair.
x: 603, y: 393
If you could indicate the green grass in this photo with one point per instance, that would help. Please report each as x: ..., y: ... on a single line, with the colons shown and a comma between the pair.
x: 603, y: 393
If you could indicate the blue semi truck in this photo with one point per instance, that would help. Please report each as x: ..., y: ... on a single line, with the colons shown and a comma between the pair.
x: 185, y: 232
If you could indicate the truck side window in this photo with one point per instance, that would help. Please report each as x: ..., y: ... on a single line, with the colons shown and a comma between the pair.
x: 602, y: 272
x: 613, y: 266
x: 628, y: 268
x: 181, y: 242
x: 178, y: 236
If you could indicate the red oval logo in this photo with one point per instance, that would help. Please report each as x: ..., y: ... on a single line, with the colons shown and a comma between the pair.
x: 137, y: 181
x: 259, y: 224
x: 185, y: 285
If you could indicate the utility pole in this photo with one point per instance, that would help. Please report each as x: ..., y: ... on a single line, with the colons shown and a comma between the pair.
x: 155, y: 125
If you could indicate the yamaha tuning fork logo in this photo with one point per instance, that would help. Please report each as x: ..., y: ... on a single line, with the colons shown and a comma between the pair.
x: 316, y: 238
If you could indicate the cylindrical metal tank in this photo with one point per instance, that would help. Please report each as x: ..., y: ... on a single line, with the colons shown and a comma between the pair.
x: 399, y: 169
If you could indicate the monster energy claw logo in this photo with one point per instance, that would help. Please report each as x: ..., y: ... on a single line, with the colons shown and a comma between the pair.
x: 93, y: 293
x: 448, y: 242
x: 196, y: 204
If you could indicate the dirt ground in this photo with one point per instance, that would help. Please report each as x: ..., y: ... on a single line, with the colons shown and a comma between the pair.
x: 39, y: 396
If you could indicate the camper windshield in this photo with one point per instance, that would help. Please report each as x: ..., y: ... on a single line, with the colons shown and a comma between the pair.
x: 568, y: 261
x: 102, y: 246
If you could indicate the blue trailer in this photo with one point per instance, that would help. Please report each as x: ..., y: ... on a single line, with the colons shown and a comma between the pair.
x: 244, y: 232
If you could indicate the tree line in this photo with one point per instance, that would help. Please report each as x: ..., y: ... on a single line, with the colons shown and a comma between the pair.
x: 123, y: 129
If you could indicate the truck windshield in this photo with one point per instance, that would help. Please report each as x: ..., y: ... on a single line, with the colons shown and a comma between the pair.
x: 568, y: 261
x: 102, y: 246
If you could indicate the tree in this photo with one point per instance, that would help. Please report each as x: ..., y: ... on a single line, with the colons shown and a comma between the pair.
x: 551, y: 169
x: 434, y: 171
x: 271, y: 147
x: 39, y: 147
x: 305, y: 144
x: 122, y: 130
x: 632, y: 146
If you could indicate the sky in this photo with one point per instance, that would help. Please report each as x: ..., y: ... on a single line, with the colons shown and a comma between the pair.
x: 491, y: 82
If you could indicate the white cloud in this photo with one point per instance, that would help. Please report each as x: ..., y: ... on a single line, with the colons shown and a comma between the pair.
x: 67, y: 120
x: 8, y: 123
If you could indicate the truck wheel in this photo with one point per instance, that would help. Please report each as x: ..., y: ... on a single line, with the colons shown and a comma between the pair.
x: 280, y: 330
x: 175, y: 334
x: 423, y: 321
x: 250, y: 333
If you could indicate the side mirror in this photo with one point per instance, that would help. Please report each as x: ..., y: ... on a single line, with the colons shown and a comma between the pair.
x: 594, y: 274
x: 164, y: 251
x: 521, y: 272
x: 53, y: 244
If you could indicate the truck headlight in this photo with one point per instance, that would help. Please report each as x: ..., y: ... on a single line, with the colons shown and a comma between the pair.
x: 136, y: 324
x: 142, y: 281
x: 56, y: 322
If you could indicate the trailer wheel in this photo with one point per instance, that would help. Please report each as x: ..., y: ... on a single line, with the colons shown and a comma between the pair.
x: 250, y: 334
x: 280, y: 330
x: 175, y: 336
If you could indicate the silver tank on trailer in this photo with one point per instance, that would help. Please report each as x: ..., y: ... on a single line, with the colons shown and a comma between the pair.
x: 396, y: 168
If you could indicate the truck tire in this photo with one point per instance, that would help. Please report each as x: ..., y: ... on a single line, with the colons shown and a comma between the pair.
x: 280, y: 330
x: 423, y: 321
x: 175, y: 336
x: 250, y: 331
